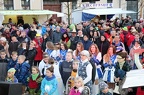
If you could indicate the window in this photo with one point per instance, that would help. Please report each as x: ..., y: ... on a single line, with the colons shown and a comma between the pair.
x: 45, y: 2
x: 25, y: 4
x: 74, y: 5
x: 8, y: 5
x: 109, y: 1
x: 133, y: 5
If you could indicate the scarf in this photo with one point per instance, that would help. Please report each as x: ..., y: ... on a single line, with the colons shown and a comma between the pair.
x: 34, y: 76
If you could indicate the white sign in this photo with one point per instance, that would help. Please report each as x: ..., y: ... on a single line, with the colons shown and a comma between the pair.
x: 94, y: 5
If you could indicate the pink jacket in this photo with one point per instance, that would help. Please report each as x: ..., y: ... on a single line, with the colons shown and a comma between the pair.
x: 73, y: 92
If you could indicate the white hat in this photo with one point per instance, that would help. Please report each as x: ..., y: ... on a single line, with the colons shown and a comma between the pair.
x: 3, y: 39
x: 85, y: 52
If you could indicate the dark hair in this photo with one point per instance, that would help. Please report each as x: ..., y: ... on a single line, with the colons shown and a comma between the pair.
x: 51, y: 61
x: 51, y: 69
x: 65, y: 46
x: 123, y: 54
x: 63, y: 39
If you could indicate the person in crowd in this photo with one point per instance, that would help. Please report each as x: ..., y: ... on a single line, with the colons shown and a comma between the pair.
x: 13, y: 45
x: 10, y: 76
x: 118, y: 44
x: 22, y: 50
x: 66, y: 39
x: 120, y: 71
x: 13, y: 60
x: 132, y: 53
x: 104, y: 90
x: 51, y: 50
x: 31, y: 53
x: 74, y: 72
x: 95, y: 36
x: 65, y: 68
x: 38, y: 42
x: 85, y: 69
x: 95, y: 59
x: 137, y: 38
x: 34, y: 81
x: 78, y: 87
x: 49, y: 83
x: 50, y: 32
x: 24, y: 37
x: 63, y: 29
x: 73, y: 35
x: 63, y: 50
x: 44, y: 64
x: 109, y: 62
x: 57, y: 35
x: 46, y: 38
x: 32, y: 33
x: 3, y: 56
x: 6, y: 33
x: 79, y: 48
x: 86, y: 42
x: 13, y: 29
x: 22, y: 71
x: 5, y: 45
x: 103, y: 44
x: 79, y: 37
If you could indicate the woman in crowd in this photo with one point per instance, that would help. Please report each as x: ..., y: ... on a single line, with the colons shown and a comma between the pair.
x: 96, y: 58
x: 79, y: 48
x: 51, y: 50
x: 103, y: 44
x: 66, y: 39
x: 109, y: 61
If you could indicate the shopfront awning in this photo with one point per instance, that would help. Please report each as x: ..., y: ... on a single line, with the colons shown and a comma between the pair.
x: 108, y: 11
x: 30, y: 12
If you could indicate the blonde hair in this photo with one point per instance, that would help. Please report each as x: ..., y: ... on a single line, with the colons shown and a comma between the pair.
x: 14, y: 52
x: 76, y: 61
x: 22, y: 57
x: 50, y: 45
x: 79, y: 79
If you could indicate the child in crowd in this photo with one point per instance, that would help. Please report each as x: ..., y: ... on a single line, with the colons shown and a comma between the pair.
x: 22, y: 71
x: 10, y: 76
x: 104, y: 90
x: 78, y: 88
x: 13, y: 60
x: 74, y: 72
x: 49, y: 83
x: 3, y: 58
x: 34, y: 81
x: 44, y: 64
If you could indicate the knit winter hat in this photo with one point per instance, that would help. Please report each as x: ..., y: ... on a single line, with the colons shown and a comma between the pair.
x: 102, y: 86
x: 12, y: 70
x: 125, y: 28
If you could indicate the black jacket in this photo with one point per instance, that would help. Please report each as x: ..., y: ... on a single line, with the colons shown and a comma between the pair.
x: 65, y: 69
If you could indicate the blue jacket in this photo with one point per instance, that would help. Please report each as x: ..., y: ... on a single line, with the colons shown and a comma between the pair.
x: 86, y: 44
x: 11, y: 64
x: 22, y: 72
x: 49, y: 86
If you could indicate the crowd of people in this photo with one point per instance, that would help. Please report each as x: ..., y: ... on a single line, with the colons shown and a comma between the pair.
x: 89, y: 58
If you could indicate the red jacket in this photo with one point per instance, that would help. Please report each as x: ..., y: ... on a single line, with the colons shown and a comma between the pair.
x: 130, y: 39
x: 32, y: 83
x: 39, y: 50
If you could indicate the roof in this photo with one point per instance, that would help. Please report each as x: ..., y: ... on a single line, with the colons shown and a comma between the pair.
x: 30, y: 12
x: 107, y: 11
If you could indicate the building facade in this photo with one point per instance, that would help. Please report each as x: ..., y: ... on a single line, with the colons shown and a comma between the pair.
x: 68, y: 8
